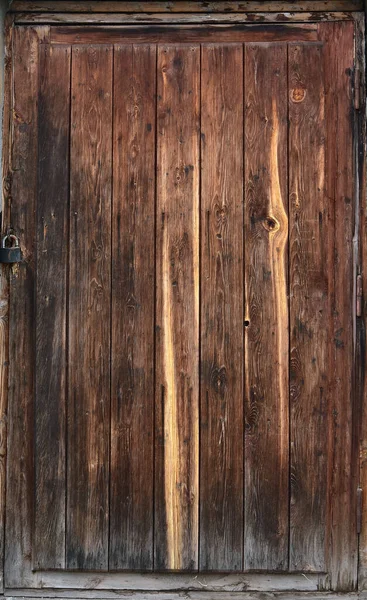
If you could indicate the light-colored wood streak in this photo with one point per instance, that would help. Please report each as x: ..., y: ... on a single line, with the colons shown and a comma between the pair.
x: 266, y: 308
x: 177, y: 457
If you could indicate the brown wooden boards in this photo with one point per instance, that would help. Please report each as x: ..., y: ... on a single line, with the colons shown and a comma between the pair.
x: 266, y: 310
x: 19, y: 506
x: 181, y: 327
x: 310, y: 290
x: 177, y: 315
x: 221, y: 405
x: 51, y: 308
x: 133, y: 291
x: 338, y: 69
x: 89, y: 309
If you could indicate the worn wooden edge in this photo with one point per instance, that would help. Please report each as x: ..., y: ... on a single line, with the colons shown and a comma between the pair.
x: 125, y: 582
x: 24, y: 18
x: 4, y: 288
x: 361, y: 359
x: 98, y: 6
x: 196, y: 595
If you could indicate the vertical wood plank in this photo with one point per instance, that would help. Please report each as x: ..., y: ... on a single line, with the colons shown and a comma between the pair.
x: 89, y: 309
x: 4, y: 280
x: 177, y: 356
x: 20, y: 481
x: 132, y: 416
x: 221, y: 434
x: 51, y: 236
x: 342, y: 527
x: 310, y: 288
x: 266, y: 313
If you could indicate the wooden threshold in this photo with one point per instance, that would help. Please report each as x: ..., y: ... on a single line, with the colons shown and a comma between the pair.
x: 98, y: 6
x: 165, y: 582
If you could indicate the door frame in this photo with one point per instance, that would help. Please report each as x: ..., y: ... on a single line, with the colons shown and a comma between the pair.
x: 123, y: 13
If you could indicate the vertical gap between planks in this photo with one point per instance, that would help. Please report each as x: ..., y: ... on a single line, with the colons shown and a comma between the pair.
x: 244, y: 359
x: 155, y: 302
x: 111, y: 298
x: 67, y: 306
x: 289, y: 329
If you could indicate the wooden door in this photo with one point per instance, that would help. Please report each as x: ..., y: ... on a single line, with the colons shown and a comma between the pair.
x: 181, y: 326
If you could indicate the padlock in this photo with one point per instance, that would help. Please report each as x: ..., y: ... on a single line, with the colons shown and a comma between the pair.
x: 10, y: 254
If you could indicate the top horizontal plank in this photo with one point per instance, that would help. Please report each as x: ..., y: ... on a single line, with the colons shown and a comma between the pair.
x: 106, y: 6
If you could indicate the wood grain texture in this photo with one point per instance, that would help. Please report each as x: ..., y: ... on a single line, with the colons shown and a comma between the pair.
x: 89, y: 309
x: 338, y: 68
x: 4, y: 278
x: 50, y: 364
x: 266, y: 310
x: 133, y: 291
x: 175, y: 18
x: 20, y: 482
x: 70, y: 34
x: 97, y: 6
x: 221, y: 412
x: 177, y: 317
x: 309, y: 308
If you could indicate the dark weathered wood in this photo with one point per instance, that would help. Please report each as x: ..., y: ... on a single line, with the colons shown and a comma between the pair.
x: 107, y: 585
x: 221, y: 412
x: 23, y: 176
x: 97, y: 6
x: 177, y: 354
x: 310, y: 290
x: 182, y: 18
x: 133, y: 236
x: 266, y: 308
x: 338, y: 68
x: 50, y: 360
x: 183, y: 34
x: 89, y: 309
x: 4, y: 278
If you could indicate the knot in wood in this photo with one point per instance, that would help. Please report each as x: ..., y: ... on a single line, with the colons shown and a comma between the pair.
x: 298, y: 94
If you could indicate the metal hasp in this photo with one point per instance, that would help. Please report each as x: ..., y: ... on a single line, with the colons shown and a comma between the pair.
x: 12, y: 253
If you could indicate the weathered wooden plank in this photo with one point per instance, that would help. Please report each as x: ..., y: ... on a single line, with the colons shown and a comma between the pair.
x: 266, y: 308
x: 221, y: 389
x: 183, y: 34
x: 106, y: 585
x: 97, y: 6
x: 338, y: 69
x: 133, y: 236
x: 50, y: 360
x: 89, y: 309
x: 219, y: 596
x: 23, y: 176
x: 177, y: 315
x: 4, y: 277
x: 310, y: 290
x: 182, y: 18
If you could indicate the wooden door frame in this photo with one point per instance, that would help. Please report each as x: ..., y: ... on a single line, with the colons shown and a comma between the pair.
x: 43, y: 13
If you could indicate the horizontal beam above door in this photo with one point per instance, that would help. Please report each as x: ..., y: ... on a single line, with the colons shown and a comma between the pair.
x: 104, y: 6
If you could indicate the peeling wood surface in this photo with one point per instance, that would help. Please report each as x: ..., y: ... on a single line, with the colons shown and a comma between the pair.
x: 190, y: 268
x: 182, y: 18
x: 97, y: 6
x: 184, y: 34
